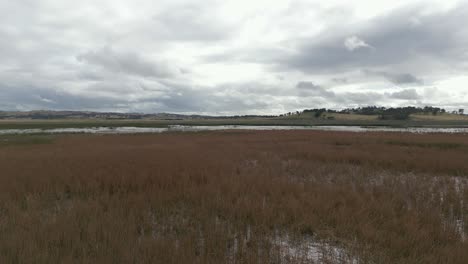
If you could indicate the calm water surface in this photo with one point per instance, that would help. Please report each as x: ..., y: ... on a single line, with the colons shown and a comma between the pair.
x: 138, y: 130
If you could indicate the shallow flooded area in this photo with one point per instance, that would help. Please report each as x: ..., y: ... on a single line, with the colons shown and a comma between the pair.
x: 180, y: 128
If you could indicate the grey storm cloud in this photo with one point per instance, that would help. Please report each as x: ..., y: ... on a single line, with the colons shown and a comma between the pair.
x: 407, y: 94
x: 403, y: 78
x: 225, y: 56
x: 30, y: 97
x: 354, y: 98
x: 396, y: 78
x: 311, y: 89
x: 386, y: 41
x: 190, y: 23
x: 173, y: 97
x: 130, y: 63
x: 361, y: 98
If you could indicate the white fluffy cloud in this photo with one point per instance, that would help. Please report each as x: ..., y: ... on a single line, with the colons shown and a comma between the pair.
x: 353, y: 42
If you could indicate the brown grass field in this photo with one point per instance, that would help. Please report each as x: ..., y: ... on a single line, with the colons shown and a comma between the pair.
x: 234, y: 197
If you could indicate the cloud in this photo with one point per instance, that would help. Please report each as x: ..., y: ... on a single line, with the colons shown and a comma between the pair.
x: 36, y: 98
x: 130, y: 97
x: 407, y: 94
x: 396, y: 78
x: 431, y: 46
x: 340, y: 80
x: 311, y: 89
x: 190, y: 23
x: 126, y: 62
x: 355, y: 98
x: 360, y: 98
x: 353, y: 42
x: 404, y: 78
x: 226, y: 56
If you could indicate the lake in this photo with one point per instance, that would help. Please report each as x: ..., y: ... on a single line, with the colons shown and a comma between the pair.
x: 179, y: 128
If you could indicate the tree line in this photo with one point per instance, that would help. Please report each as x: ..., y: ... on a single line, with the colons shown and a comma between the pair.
x: 384, y: 113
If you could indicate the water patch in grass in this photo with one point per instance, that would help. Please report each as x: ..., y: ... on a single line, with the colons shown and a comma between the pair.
x: 310, y: 250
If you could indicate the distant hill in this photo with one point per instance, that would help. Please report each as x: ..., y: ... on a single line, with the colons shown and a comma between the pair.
x: 370, y: 113
x: 48, y: 114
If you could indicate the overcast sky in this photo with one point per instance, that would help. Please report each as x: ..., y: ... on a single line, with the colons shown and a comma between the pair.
x: 231, y: 56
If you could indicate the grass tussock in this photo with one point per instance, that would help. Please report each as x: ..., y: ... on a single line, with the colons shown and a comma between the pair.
x: 235, y: 197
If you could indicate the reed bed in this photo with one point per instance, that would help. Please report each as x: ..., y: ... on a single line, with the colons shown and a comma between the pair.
x: 235, y: 197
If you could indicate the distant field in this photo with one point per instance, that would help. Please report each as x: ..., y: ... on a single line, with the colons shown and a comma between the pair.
x: 234, y: 197
x: 440, y: 117
x: 351, y: 117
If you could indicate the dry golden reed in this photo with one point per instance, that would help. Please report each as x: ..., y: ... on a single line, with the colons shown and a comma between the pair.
x: 227, y: 197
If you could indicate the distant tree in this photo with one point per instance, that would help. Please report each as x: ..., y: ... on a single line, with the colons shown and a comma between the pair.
x: 319, y: 112
x: 399, y: 113
x: 461, y: 111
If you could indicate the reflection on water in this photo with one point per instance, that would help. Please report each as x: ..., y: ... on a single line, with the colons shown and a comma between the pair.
x: 90, y: 130
x: 178, y: 128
